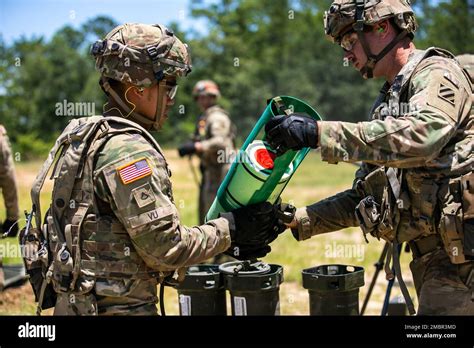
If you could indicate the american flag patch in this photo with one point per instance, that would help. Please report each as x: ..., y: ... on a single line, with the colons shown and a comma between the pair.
x: 133, y: 171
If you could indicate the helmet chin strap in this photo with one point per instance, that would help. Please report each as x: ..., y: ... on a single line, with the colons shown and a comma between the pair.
x: 160, y: 105
x: 141, y: 119
x: 367, y: 70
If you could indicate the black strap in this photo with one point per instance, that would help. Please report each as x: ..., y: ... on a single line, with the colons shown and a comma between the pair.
x: 372, y: 59
x: 359, y: 15
x: 392, y: 44
x: 401, y: 282
x: 162, y: 299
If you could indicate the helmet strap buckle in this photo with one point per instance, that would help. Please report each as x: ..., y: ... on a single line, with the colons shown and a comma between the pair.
x: 159, y: 75
x: 153, y: 53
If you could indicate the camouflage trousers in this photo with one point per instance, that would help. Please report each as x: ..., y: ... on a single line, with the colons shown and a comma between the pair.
x: 141, y: 299
x: 443, y: 288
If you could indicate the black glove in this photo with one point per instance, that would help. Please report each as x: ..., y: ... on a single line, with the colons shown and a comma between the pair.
x: 11, y: 227
x: 256, y: 225
x: 293, y: 132
x: 187, y: 149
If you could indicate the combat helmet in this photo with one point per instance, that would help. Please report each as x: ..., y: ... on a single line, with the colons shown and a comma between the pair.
x: 142, y: 55
x: 206, y: 87
x: 345, y: 16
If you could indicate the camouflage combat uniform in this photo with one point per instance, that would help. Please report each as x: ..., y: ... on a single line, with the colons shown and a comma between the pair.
x: 7, y: 177
x: 430, y: 150
x: 8, y: 185
x: 131, y: 236
x: 146, y: 209
x: 216, y: 133
x: 113, y: 229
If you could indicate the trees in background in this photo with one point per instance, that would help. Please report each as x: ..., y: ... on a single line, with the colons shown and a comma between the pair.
x: 253, y: 49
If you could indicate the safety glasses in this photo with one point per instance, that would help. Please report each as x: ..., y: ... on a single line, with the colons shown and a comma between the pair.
x: 348, y: 41
x: 171, y: 88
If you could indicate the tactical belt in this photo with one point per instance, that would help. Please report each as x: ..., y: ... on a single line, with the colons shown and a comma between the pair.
x: 425, y: 245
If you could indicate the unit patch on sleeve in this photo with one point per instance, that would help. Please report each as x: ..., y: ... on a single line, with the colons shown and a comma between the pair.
x: 143, y: 195
x: 133, y: 171
x: 446, y: 93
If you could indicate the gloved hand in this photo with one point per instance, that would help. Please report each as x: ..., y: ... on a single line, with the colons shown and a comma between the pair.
x: 256, y: 226
x: 294, y: 132
x: 11, y: 227
x: 187, y: 149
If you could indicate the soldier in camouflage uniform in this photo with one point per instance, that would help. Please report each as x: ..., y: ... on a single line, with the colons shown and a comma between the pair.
x: 213, y: 142
x: 113, y: 229
x: 8, y: 185
x: 416, y: 181
x: 9, y: 188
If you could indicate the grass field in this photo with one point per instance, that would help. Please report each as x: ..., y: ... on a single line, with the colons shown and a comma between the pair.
x: 314, y: 180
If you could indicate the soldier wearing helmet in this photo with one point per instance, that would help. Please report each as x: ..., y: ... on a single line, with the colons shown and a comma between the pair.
x: 113, y: 230
x: 8, y: 184
x: 9, y: 188
x: 415, y: 182
x: 213, y: 142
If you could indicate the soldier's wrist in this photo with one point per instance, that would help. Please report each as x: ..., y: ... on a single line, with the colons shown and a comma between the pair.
x: 302, y: 230
x: 318, y: 136
x: 230, y: 220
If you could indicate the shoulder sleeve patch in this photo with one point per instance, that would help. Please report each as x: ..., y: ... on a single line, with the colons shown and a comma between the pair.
x: 144, y: 195
x: 446, y: 93
x: 134, y: 170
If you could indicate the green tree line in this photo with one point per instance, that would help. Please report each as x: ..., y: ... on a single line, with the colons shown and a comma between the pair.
x: 254, y: 50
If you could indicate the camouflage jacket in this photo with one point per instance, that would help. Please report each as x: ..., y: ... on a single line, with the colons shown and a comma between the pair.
x: 146, y: 208
x: 121, y: 227
x: 216, y: 133
x: 8, y: 182
x: 421, y: 123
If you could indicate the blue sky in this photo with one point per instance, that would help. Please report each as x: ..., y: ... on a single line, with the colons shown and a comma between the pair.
x: 44, y: 17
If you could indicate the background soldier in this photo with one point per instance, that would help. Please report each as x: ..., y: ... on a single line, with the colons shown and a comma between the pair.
x: 9, y: 188
x: 120, y: 202
x: 213, y: 142
x: 416, y: 181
